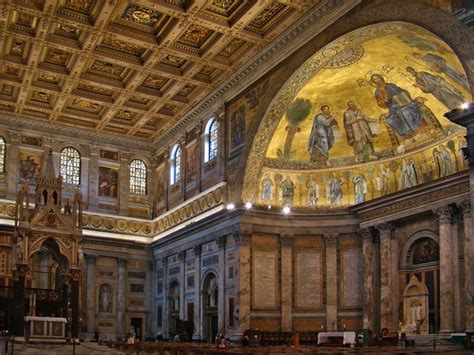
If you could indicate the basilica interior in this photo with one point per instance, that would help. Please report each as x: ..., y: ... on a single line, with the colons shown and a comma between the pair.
x: 204, y: 167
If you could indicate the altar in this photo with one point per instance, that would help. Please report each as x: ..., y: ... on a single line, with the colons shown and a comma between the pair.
x: 348, y: 338
x: 46, y: 328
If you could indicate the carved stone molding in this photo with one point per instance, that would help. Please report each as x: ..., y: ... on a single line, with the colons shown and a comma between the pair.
x: 242, y: 238
x: 286, y: 239
x: 90, y: 259
x: 386, y: 229
x: 197, y: 249
x: 444, y: 214
x: 465, y: 207
x: 221, y: 241
x: 365, y: 233
x: 121, y: 262
x: 330, y: 239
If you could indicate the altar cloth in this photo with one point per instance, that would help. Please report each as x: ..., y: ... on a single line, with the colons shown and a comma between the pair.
x: 348, y: 337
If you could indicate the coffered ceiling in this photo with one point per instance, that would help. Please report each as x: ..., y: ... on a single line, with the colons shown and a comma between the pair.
x: 128, y: 68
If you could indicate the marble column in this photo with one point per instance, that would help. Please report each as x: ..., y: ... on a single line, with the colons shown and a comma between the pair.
x: 386, y: 277
x: 182, y: 285
x: 75, y: 279
x: 121, y: 296
x: 221, y: 318
x: 395, y: 254
x: 286, y: 243
x: 150, y: 299
x: 93, y: 184
x: 243, y: 278
x: 165, y: 312
x: 468, y: 288
x: 446, y: 269
x: 369, y: 279
x: 331, y: 280
x: 456, y: 219
x: 124, y: 183
x: 197, y: 293
x: 11, y: 164
x: 90, y: 292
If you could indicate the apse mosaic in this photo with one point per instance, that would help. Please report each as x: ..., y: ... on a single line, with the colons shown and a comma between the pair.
x: 364, y: 118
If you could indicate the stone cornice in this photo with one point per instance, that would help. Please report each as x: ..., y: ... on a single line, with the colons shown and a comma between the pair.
x: 424, y: 198
x: 309, y: 26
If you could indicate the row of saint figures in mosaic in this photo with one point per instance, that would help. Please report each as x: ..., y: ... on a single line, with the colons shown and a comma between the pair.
x: 348, y: 187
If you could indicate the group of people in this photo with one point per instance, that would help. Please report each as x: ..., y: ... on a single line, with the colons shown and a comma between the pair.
x: 403, y: 115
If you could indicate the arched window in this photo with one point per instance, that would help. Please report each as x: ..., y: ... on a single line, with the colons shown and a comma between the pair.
x: 175, y: 171
x: 2, y: 155
x: 70, y: 166
x: 137, y: 177
x: 210, y: 140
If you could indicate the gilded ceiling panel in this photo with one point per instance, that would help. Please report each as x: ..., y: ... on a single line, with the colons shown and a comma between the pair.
x: 71, y: 61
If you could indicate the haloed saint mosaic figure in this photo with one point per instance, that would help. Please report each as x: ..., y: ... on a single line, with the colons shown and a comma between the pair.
x: 321, y: 138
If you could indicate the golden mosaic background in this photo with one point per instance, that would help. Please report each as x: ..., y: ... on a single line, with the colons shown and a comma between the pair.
x: 341, y: 72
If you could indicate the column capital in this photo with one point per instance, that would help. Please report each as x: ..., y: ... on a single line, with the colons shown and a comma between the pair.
x: 122, y: 262
x: 90, y: 259
x: 197, y: 250
x: 164, y: 261
x: 94, y: 149
x: 385, y: 229
x: 366, y: 234
x: 330, y: 239
x: 242, y: 238
x: 286, y: 239
x: 124, y: 156
x: 444, y: 214
x: 221, y: 241
x: 465, y: 207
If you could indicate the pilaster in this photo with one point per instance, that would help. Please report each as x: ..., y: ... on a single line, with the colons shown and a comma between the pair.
x: 93, y: 184
x: 369, y: 279
x: 197, y: 293
x: 468, y: 266
x: 90, y: 292
x: 242, y: 286
x: 182, y: 285
x: 286, y: 243
x: 446, y: 269
x: 331, y: 280
x: 121, y: 296
x: 11, y: 163
x: 386, y: 277
x: 221, y: 242
x: 124, y: 183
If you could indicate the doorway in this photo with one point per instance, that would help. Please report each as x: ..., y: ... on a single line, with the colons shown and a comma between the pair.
x: 136, y: 323
x: 210, y: 294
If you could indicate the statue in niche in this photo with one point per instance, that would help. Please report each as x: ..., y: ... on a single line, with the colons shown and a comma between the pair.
x: 435, y: 85
x: 313, y: 193
x: 287, y: 191
x: 321, y: 138
x: 358, y: 132
x: 105, y: 299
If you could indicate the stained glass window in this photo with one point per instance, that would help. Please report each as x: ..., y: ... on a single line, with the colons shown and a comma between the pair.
x: 70, y: 166
x: 138, y: 177
x: 175, y: 172
x: 2, y: 155
x: 211, y: 140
